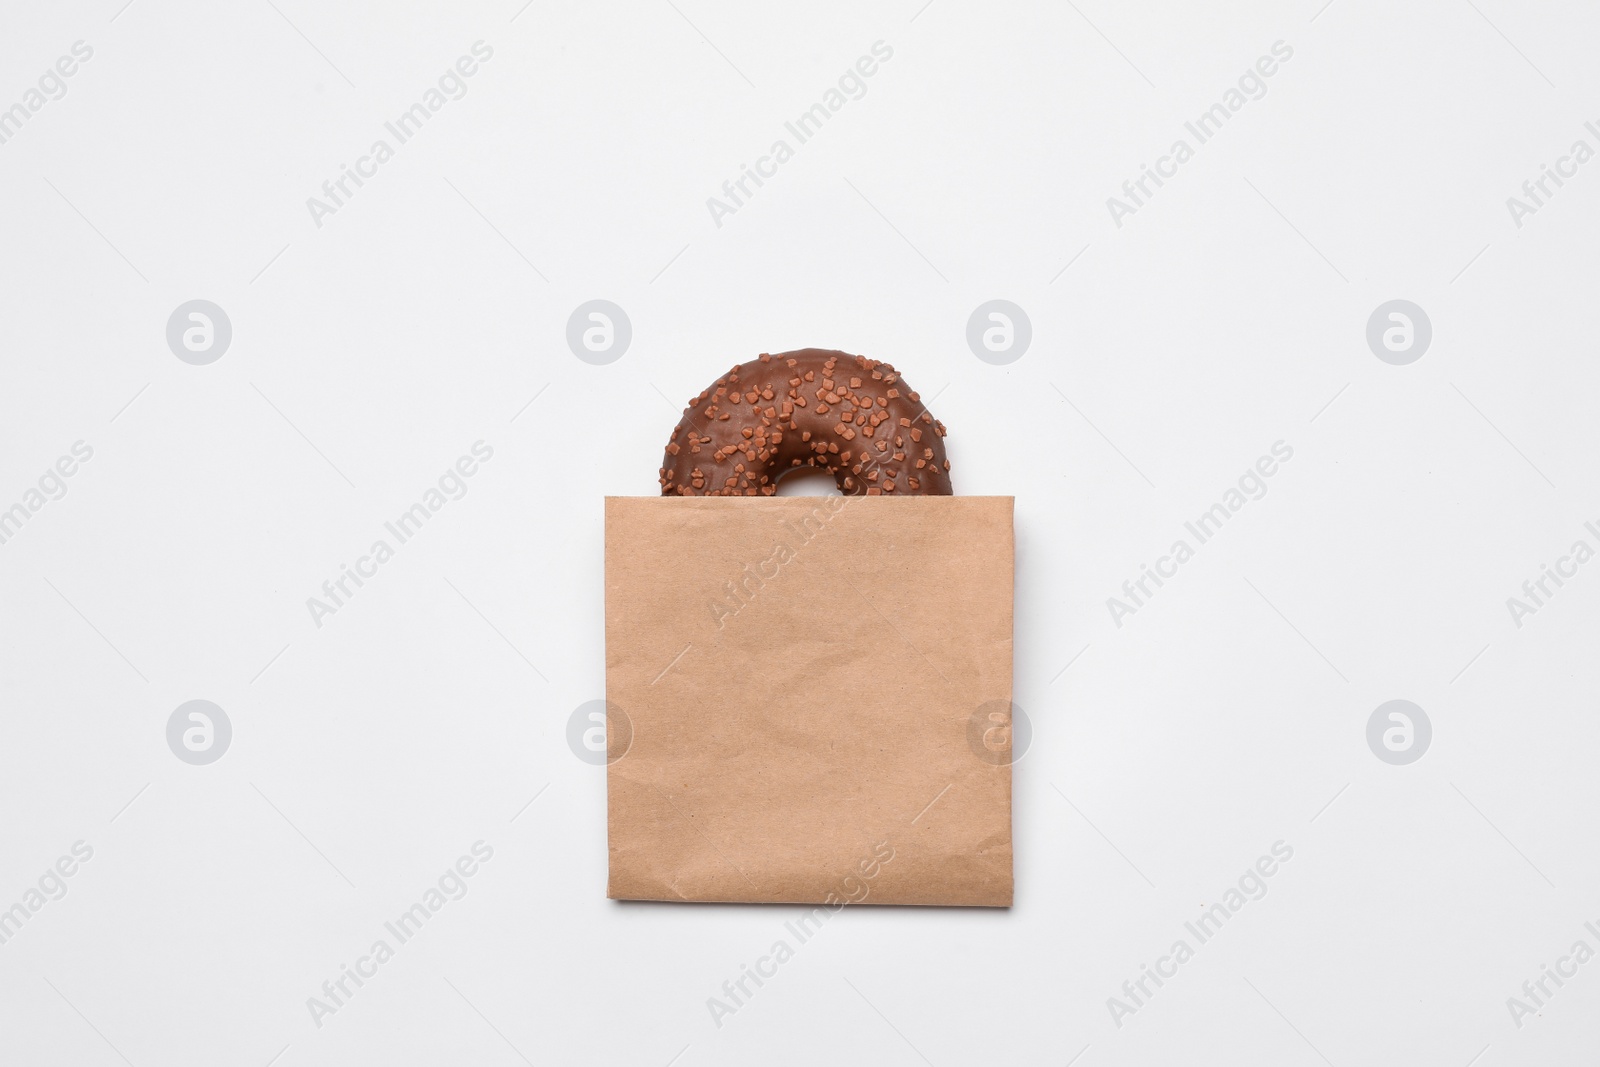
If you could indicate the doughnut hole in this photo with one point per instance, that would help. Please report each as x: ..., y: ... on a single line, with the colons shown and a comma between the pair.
x: 808, y: 481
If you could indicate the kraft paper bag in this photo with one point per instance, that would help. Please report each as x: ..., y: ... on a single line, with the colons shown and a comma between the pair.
x: 809, y: 699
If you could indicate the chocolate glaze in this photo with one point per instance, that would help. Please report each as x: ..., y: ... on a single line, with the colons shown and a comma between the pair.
x: 809, y: 408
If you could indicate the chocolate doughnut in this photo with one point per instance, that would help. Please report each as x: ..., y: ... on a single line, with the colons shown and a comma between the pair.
x: 808, y: 408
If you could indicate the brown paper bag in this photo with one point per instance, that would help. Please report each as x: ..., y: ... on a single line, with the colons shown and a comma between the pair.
x: 809, y: 699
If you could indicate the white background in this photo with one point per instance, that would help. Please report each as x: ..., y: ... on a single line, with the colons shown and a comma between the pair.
x: 369, y: 353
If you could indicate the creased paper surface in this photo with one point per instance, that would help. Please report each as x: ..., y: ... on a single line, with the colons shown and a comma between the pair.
x: 805, y: 685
